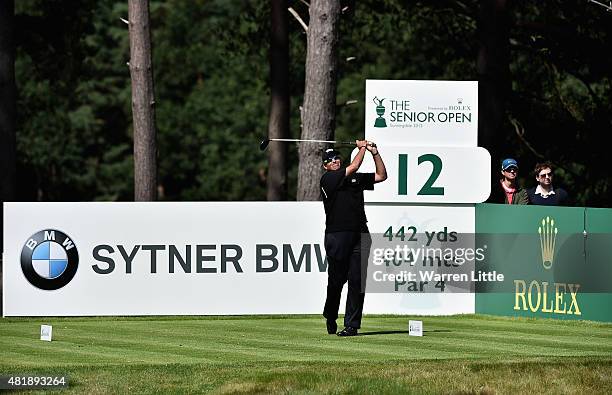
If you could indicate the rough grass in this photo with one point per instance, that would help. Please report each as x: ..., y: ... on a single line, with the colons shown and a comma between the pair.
x: 289, y: 354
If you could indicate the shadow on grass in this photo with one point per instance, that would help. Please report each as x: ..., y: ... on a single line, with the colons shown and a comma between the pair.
x: 398, y: 332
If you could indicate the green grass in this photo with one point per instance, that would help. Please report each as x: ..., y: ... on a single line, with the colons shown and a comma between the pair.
x: 460, y: 354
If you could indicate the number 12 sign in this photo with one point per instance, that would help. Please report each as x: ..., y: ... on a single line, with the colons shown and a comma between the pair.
x: 432, y: 175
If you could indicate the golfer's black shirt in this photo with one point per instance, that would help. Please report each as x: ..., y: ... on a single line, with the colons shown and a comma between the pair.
x: 343, y: 200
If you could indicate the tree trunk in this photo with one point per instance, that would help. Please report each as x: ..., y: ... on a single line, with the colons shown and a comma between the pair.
x: 493, y: 74
x: 143, y: 102
x: 7, y: 112
x: 319, y: 112
x: 278, y: 124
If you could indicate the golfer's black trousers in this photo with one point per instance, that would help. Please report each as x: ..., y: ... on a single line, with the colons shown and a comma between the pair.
x: 345, y: 251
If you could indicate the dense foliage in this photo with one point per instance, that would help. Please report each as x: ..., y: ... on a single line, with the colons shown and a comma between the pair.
x: 211, y: 80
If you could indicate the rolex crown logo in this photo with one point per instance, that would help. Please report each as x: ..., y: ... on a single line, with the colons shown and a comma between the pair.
x: 548, y: 236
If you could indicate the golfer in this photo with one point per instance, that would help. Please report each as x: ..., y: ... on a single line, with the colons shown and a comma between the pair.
x: 346, y: 233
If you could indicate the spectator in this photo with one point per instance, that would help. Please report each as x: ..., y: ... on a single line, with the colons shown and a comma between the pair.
x: 506, y: 189
x: 544, y: 193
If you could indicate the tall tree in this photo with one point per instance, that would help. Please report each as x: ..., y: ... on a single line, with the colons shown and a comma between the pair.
x: 7, y: 111
x: 278, y: 123
x: 319, y: 111
x: 493, y: 73
x: 143, y: 102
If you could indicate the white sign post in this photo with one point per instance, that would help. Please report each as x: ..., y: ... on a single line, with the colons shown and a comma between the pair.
x: 427, y: 133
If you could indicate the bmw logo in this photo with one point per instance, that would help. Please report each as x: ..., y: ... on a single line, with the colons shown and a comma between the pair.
x: 49, y: 259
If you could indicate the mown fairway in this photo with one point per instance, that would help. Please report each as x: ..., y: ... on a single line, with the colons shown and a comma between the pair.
x: 462, y: 354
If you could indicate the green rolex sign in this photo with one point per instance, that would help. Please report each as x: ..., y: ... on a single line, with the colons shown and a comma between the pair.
x: 556, y: 261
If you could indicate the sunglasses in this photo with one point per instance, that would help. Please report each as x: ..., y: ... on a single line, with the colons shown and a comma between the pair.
x: 332, y: 159
x: 545, y: 175
x: 511, y: 170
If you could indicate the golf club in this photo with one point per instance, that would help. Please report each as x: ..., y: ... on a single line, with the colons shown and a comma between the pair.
x: 265, y: 142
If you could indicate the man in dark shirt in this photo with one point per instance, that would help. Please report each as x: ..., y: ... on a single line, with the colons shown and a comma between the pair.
x: 544, y: 193
x: 346, y: 233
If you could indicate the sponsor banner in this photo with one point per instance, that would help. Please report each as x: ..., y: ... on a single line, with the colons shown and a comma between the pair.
x: 554, y: 267
x: 431, y: 175
x: 422, y: 113
x: 154, y: 258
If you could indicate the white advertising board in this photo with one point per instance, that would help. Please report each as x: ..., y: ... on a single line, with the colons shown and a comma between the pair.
x: 422, y: 113
x: 190, y: 258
